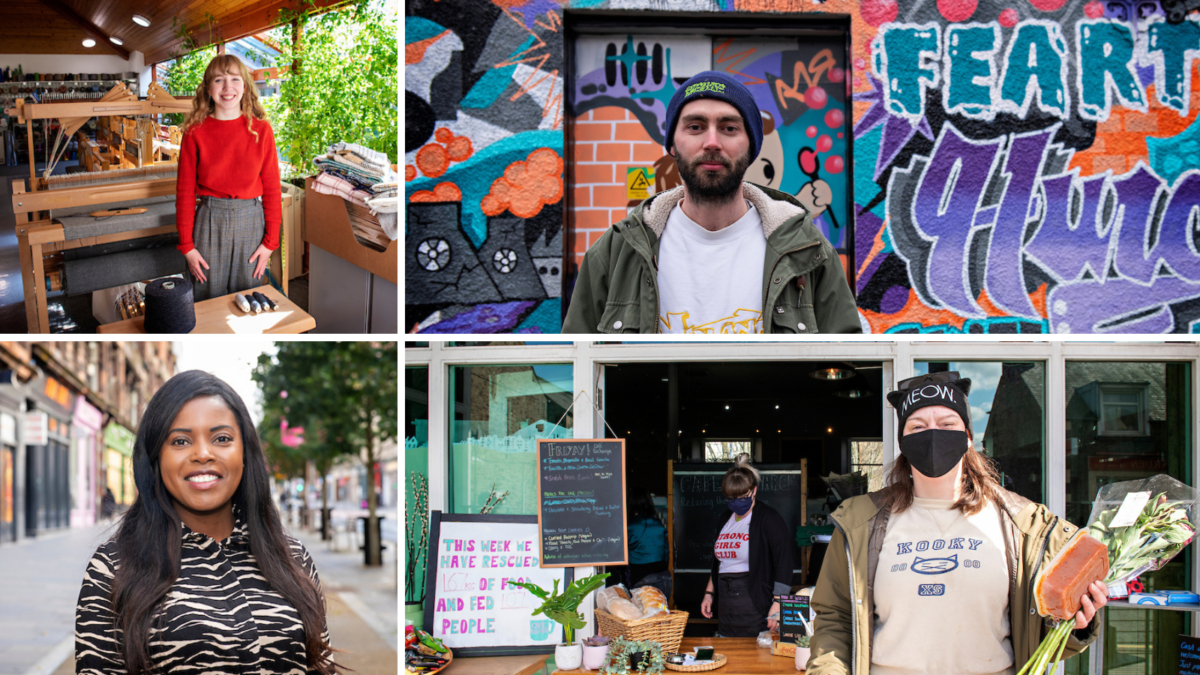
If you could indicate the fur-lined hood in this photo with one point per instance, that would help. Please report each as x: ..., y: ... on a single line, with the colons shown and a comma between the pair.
x: 774, y: 208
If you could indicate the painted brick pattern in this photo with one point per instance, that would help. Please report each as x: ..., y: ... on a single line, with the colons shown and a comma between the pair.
x: 606, y: 143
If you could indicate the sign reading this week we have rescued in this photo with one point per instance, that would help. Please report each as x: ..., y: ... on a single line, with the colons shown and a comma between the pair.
x: 474, y: 606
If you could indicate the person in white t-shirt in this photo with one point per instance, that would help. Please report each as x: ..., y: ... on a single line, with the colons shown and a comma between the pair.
x: 934, y: 573
x: 752, y: 559
x: 716, y: 255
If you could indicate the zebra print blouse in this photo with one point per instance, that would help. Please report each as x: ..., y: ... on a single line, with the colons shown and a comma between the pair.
x: 219, y: 617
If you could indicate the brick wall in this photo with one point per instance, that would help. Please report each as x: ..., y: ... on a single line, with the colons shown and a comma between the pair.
x: 606, y: 143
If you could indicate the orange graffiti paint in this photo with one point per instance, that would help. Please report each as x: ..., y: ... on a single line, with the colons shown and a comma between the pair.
x: 443, y: 192
x: 459, y: 149
x: 410, y: 172
x: 433, y: 160
x: 443, y: 135
x: 527, y: 186
x: 415, y: 52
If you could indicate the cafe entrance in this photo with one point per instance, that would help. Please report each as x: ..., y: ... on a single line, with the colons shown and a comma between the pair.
x: 801, y: 422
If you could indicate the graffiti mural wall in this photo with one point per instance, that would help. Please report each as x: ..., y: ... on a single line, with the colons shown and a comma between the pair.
x: 1028, y: 166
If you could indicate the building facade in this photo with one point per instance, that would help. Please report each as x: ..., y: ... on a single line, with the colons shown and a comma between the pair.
x: 1049, y: 148
x: 67, y: 411
x: 1060, y: 419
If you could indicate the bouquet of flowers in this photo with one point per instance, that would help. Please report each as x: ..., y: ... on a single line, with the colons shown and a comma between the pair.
x: 1144, y: 524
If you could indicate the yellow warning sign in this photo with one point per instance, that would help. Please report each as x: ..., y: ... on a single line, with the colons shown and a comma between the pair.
x: 639, y: 182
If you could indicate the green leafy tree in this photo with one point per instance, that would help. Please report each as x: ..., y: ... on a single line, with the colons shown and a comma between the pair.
x: 344, y: 394
x: 189, y: 60
x: 338, y: 80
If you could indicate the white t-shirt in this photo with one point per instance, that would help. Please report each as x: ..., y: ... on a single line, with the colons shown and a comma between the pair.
x: 711, y: 282
x: 733, y: 546
x: 941, y: 593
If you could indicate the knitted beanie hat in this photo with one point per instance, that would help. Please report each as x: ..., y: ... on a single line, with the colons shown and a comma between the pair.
x: 718, y: 85
x: 943, y: 389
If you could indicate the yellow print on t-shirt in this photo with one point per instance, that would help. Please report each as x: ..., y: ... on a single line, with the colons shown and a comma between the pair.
x: 742, y: 321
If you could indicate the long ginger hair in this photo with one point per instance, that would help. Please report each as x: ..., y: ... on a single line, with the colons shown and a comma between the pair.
x: 203, y: 104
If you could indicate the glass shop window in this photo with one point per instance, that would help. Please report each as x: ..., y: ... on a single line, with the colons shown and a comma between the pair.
x: 727, y: 451
x: 1007, y: 418
x: 499, y: 413
x: 416, y: 476
x: 866, y: 456
x: 1124, y: 421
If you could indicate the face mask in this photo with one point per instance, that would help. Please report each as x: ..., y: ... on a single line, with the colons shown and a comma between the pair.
x: 934, y: 452
x: 740, y: 505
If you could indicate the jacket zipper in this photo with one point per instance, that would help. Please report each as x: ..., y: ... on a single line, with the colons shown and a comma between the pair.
x: 767, y: 290
x: 853, y: 601
x: 1041, y: 557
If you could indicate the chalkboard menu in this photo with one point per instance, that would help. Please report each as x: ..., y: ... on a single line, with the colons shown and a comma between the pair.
x: 791, y: 608
x: 581, y: 502
x: 1189, y: 655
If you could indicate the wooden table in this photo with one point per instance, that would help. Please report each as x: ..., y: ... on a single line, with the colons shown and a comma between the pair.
x: 497, y: 665
x: 221, y: 315
x: 743, y: 657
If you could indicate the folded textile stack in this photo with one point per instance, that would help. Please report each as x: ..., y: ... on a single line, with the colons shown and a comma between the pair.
x: 385, y: 204
x: 365, y: 179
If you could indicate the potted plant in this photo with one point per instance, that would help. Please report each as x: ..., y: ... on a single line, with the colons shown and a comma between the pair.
x: 802, y: 652
x: 564, y: 608
x: 594, y: 651
x: 633, y: 656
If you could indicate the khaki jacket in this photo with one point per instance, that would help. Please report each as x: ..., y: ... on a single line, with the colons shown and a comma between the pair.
x: 804, y: 288
x: 844, y: 599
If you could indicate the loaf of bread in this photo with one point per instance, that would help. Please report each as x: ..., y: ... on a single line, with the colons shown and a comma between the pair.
x: 607, y: 595
x: 624, y: 609
x: 1064, y: 580
x: 648, y: 596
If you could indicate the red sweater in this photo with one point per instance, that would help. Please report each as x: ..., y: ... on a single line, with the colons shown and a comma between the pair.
x: 221, y: 158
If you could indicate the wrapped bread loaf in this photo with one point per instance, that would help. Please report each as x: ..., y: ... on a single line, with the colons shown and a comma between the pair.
x: 624, y: 609
x: 647, y: 597
x: 1064, y: 580
x: 607, y: 595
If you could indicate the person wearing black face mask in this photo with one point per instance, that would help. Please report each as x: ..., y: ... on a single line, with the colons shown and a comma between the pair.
x: 752, y: 559
x: 934, y: 573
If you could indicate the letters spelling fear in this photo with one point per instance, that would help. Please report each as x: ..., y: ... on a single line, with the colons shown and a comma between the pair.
x: 962, y: 61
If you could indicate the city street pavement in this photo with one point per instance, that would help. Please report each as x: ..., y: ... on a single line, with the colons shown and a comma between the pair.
x: 39, y: 586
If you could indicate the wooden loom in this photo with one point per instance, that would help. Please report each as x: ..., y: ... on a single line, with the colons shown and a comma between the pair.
x: 41, y: 240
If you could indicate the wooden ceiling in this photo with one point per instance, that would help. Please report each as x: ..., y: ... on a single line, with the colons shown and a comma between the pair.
x: 60, y: 26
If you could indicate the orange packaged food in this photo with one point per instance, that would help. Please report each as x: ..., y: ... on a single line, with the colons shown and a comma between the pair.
x: 1064, y: 580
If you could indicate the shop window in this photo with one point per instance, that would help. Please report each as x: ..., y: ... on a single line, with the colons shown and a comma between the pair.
x: 1007, y: 418
x: 1125, y: 421
x: 499, y: 413
x: 866, y: 456
x: 727, y: 451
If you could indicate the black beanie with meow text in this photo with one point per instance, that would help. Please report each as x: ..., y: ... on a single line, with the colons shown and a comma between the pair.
x: 928, y: 391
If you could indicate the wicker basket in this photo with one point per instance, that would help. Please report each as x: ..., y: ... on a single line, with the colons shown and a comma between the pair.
x: 667, y: 631
x: 718, y: 661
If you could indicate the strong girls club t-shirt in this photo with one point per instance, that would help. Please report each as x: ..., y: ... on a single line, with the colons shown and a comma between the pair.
x: 733, y: 546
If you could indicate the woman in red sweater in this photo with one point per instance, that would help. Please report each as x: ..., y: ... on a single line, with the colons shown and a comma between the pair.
x: 228, y: 160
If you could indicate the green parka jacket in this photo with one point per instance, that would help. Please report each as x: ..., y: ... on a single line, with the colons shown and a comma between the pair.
x: 844, y: 599
x: 804, y: 288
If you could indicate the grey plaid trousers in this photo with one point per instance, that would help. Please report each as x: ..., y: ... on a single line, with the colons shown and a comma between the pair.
x: 227, y: 231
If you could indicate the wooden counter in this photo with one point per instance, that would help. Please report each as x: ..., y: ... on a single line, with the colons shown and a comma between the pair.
x: 222, y: 316
x: 743, y: 657
x: 497, y: 665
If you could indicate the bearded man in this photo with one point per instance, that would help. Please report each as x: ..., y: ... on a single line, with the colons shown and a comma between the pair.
x: 717, y: 254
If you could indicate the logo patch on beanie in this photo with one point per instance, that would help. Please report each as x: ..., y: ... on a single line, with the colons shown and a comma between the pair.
x: 718, y: 87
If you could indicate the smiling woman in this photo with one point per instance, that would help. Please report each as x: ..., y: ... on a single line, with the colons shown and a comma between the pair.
x: 201, y: 576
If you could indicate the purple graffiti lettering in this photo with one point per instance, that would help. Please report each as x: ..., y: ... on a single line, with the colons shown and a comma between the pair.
x: 1136, y: 195
x: 1005, y: 276
x: 1177, y: 239
x: 1117, y: 306
x: 949, y: 194
x: 1069, y: 241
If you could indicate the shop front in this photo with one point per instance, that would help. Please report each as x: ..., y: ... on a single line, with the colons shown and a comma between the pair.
x: 85, y: 463
x: 48, y: 421
x: 118, y: 465
x: 9, y: 471
x: 1060, y: 420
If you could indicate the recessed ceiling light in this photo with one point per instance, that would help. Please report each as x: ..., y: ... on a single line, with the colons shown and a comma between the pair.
x: 116, y: 40
x: 89, y: 42
x: 141, y: 20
